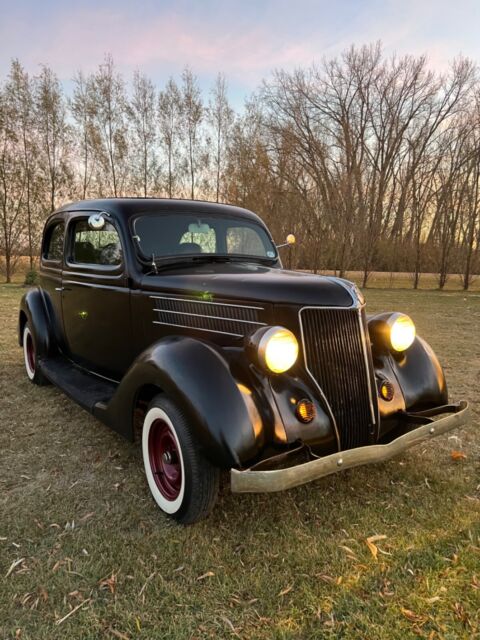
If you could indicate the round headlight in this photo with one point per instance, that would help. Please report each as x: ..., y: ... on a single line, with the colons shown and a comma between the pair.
x: 402, y: 332
x: 275, y: 348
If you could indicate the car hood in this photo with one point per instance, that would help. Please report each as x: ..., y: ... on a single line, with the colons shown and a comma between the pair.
x: 255, y: 283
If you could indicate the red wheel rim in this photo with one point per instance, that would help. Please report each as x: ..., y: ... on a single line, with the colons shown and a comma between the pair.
x: 30, y: 347
x: 165, y: 459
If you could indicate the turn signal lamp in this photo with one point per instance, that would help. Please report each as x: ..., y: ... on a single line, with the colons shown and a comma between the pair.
x: 386, y: 390
x: 305, y: 411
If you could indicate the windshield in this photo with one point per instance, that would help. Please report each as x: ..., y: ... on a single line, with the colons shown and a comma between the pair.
x: 166, y: 235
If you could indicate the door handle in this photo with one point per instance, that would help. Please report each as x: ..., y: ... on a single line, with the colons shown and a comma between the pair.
x: 62, y: 289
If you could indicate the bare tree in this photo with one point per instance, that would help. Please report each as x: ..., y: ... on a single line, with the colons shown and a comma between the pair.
x: 169, y: 119
x: 12, y: 186
x: 82, y: 107
x: 220, y: 118
x: 110, y: 122
x: 144, y: 135
x: 19, y: 94
x: 192, y: 117
x: 53, y: 133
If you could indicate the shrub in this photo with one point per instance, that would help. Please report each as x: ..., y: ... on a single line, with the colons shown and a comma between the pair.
x: 31, y: 277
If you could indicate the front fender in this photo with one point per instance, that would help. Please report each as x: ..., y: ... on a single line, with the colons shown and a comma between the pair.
x: 33, y: 310
x: 420, y: 376
x: 199, y: 380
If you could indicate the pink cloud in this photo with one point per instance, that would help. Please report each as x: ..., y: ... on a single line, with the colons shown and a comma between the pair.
x: 81, y: 38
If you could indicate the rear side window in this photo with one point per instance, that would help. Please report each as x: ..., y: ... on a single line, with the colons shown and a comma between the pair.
x: 53, y: 248
x: 96, y: 246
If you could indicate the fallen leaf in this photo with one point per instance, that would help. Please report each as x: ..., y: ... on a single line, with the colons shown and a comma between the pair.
x: 119, y: 634
x: 70, y: 613
x: 284, y: 592
x: 14, y: 564
x: 411, y: 615
x: 229, y: 623
x: 373, y: 547
x: 458, y: 455
x: 110, y: 582
x: 209, y: 574
x: 348, y: 551
x: 377, y: 538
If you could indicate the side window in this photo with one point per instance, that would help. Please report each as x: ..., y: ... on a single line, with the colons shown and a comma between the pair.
x: 96, y: 246
x: 53, y: 247
x: 244, y: 240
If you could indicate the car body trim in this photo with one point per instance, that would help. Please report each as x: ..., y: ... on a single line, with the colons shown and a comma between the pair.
x: 202, y: 315
x: 257, y: 481
x: 220, y: 304
x: 184, y: 326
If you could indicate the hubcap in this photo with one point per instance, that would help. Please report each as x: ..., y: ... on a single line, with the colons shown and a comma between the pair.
x: 165, y: 459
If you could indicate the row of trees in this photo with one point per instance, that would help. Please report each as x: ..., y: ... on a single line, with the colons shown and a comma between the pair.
x: 373, y: 163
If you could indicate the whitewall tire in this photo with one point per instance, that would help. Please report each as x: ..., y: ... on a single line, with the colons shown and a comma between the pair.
x: 183, y: 483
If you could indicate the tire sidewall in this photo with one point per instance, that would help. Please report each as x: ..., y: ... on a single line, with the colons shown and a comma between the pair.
x: 170, y: 507
x: 28, y: 335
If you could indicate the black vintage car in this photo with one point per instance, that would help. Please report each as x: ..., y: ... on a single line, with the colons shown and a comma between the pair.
x: 175, y: 321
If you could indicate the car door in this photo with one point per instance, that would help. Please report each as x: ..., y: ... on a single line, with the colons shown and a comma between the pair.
x: 51, y: 265
x: 96, y: 298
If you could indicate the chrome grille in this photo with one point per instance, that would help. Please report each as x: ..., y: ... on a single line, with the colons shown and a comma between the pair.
x: 215, y: 317
x: 336, y: 356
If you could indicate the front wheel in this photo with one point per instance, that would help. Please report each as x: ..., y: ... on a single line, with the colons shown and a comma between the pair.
x: 183, y: 483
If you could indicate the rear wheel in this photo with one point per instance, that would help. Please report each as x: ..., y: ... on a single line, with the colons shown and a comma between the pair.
x: 183, y: 483
x: 31, y: 358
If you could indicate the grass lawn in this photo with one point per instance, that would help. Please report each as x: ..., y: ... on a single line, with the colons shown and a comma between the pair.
x: 80, y: 535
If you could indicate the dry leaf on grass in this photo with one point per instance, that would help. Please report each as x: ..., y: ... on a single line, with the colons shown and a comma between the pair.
x: 373, y: 547
x: 110, y: 583
x: 119, y: 634
x: 70, y: 613
x: 209, y: 574
x: 412, y: 616
x: 458, y: 455
x: 284, y: 592
x: 350, y: 553
x: 13, y: 566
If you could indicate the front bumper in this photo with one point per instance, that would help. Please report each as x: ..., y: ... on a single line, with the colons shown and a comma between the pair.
x: 257, y: 480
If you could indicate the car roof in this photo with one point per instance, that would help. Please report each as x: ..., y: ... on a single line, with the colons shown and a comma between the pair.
x: 127, y: 207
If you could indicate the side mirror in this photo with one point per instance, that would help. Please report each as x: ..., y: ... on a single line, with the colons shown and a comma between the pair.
x: 97, y: 221
x: 290, y: 240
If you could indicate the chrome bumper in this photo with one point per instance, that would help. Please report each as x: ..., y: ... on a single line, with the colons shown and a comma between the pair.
x: 258, y: 481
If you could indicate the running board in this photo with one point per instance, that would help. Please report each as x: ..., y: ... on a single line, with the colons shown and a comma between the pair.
x: 86, y: 389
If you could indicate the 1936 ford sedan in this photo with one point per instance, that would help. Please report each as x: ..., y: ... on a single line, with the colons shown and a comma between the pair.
x: 177, y: 317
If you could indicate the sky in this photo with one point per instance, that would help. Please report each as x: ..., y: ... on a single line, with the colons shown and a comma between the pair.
x: 244, y: 39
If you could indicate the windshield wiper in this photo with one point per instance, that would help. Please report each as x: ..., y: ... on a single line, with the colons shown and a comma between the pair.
x: 163, y: 264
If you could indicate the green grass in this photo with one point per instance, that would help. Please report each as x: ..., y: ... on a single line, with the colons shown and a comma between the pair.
x: 74, y: 507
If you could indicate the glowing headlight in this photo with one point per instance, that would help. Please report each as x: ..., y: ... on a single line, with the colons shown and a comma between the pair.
x: 402, y: 332
x: 275, y: 348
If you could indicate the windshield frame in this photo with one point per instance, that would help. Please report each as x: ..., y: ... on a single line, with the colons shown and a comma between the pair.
x: 189, y: 258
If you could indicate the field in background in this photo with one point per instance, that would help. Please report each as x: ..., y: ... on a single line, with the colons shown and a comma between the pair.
x: 382, y: 552
x: 377, y: 279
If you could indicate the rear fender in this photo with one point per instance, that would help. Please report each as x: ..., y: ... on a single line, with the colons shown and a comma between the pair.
x: 199, y: 380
